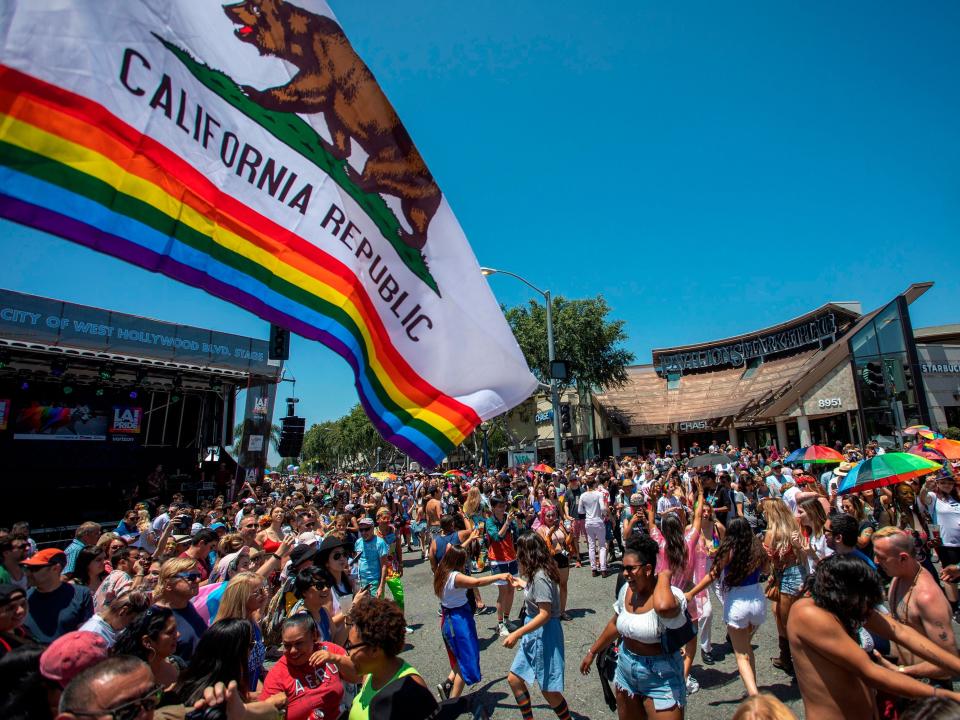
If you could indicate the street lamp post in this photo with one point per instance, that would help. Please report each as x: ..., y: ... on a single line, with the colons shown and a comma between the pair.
x: 551, y: 355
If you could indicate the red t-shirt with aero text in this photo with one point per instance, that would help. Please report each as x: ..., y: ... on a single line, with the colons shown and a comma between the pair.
x: 312, y: 693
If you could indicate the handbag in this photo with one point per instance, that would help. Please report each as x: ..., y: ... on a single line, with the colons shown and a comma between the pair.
x: 673, y: 639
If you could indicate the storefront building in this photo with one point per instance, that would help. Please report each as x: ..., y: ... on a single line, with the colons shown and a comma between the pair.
x: 831, y: 375
x: 939, y: 351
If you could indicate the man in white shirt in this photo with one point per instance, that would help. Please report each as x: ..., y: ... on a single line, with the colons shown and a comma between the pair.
x: 789, y: 496
x: 594, y: 507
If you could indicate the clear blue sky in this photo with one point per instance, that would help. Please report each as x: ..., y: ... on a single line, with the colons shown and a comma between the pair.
x: 709, y: 168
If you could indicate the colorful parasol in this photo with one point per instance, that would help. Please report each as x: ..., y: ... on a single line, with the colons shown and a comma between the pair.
x: 542, y: 468
x: 815, y: 454
x: 950, y: 449
x: 382, y: 475
x: 925, y: 451
x: 887, y: 469
x: 455, y: 473
x: 923, y: 431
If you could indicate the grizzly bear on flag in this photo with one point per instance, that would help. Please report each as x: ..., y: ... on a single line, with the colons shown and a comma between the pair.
x: 333, y: 80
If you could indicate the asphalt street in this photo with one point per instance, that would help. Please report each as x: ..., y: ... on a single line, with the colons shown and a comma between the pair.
x: 590, y: 604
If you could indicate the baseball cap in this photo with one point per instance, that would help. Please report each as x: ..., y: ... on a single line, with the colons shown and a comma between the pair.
x: 365, y: 522
x: 218, y: 526
x: 307, y: 538
x: 636, y: 499
x: 775, y: 465
x: 45, y: 557
x: 71, y: 654
x: 249, y: 501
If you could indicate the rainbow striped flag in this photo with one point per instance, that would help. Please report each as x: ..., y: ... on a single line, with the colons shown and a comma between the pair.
x: 246, y: 149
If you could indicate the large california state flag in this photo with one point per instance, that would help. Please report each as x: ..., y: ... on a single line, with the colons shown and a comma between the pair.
x: 247, y: 150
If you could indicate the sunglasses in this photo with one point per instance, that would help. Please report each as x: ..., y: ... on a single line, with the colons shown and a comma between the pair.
x: 191, y: 576
x: 321, y: 586
x: 129, y: 710
x: 337, y: 556
x: 348, y: 646
x: 366, y: 529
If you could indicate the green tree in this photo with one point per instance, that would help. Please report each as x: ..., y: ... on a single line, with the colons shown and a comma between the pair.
x: 321, y: 445
x: 584, y: 336
x: 350, y: 441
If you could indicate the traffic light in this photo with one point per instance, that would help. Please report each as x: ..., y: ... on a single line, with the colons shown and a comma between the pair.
x: 908, y: 376
x: 279, y: 346
x: 565, y: 424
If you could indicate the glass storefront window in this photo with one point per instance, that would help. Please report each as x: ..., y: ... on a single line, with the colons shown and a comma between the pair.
x: 865, y: 342
x: 911, y: 414
x: 880, y: 425
x: 890, y: 330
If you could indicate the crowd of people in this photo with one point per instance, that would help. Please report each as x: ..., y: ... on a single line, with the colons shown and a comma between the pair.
x: 288, y: 599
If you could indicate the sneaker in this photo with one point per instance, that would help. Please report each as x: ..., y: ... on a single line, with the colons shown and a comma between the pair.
x: 596, y: 573
x: 706, y: 658
x: 407, y: 629
x: 502, y: 629
x: 444, y: 689
x: 692, y: 685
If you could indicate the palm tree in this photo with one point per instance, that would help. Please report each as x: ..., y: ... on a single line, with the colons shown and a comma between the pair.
x: 238, y: 439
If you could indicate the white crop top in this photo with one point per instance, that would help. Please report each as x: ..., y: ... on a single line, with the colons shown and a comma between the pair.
x: 648, y: 626
x: 453, y: 597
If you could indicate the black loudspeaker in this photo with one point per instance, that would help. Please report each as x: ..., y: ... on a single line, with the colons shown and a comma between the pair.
x: 291, y: 436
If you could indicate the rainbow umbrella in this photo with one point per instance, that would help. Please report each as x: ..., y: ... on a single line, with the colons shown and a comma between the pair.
x: 887, y: 469
x: 542, y: 468
x: 950, y: 449
x: 383, y: 476
x: 455, y: 473
x: 815, y: 454
x: 925, y: 451
x: 923, y: 431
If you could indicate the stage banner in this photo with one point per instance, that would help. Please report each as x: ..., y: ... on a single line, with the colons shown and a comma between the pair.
x: 246, y: 149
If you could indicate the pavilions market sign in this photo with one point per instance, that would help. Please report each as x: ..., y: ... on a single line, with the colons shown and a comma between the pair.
x: 736, y: 354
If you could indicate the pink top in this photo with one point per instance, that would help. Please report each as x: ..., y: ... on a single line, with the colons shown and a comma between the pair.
x: 684, y: 578
x: 698, y: 563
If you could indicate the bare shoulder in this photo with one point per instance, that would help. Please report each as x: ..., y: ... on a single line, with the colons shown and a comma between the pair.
x: 806, y: 618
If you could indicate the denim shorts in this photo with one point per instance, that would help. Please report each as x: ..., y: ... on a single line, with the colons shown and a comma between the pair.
x: 503, y: 567
x: 791, y: 580
x: 658, y: 677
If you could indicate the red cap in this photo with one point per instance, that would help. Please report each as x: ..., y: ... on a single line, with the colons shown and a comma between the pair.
x: 46, y: 557
x: 71, y: 654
